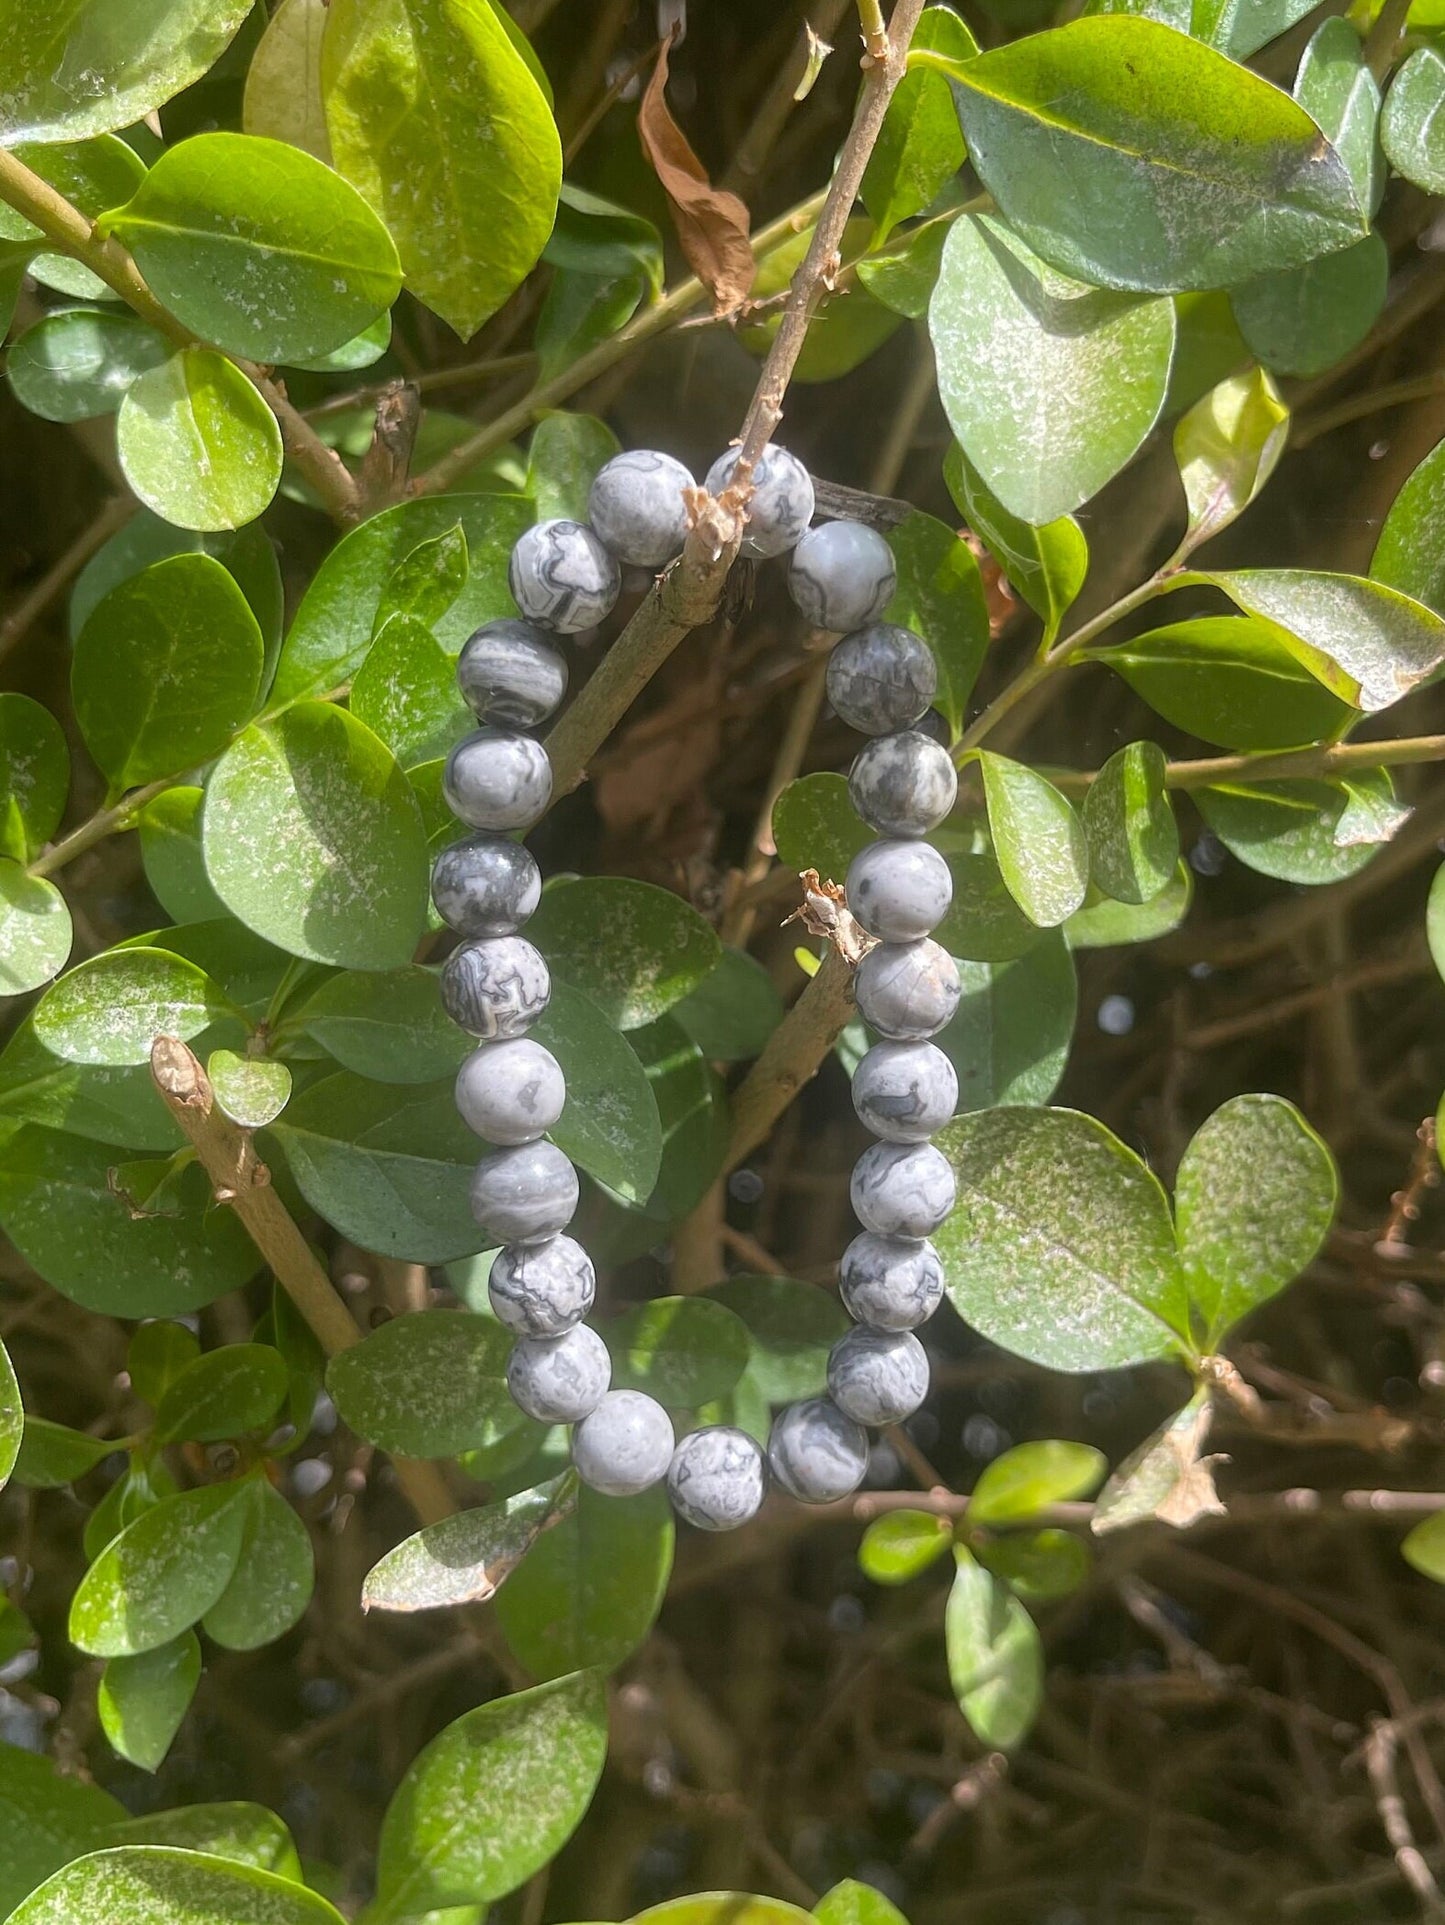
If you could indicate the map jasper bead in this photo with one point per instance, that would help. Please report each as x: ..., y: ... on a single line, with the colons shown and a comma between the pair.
x: 637, y: 509
x: 907, y: 991
x: 495, y: 988
x: 495, y: 779
x: 899, y: 890
x: 892, y: 1283
x: 904, y: 1092
x: 509, y: 672
x: 559, y: 1380
x: 816, y: 1453
x: 625, y: 1445
x: 541, y: 1289
x: 525, y: 1194
x: 511, y: 1092
x: 903, y: 784
x: 881, y: 678
x: 485, y: 886
x: 902, y: 1189
x: 842, y: 575
x: 782, y: 500
x: 878, y: 1376
x: 718, y: 1478
x: 561, y: 576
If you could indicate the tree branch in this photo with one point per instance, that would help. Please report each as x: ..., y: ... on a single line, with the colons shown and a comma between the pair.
x: 792, y: 1055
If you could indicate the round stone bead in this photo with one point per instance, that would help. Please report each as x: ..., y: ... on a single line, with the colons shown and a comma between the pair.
x: 816, y: 1453
x: 541, y: 1289
x: 907, y: 991
x: 559, y: 1380
x: 496, y: 780
x: 881, y: 678
x: 903, y: 1092
x: 525, y: 1194
x: 561, y: 576
x: 636, y: 507
x: 878, y: 1376
x: 510, y: 672
x: 899, y: 890
x: 842, y: 575
x: 496, y: 988
x: 903, y: 784
x: 485, y: 886
x: 902, y: 1189
x: 892, y: 1283
x: 782, y: 499
x: 625, y: 1445
x: 512, y: 1092
x: 717, y: 1478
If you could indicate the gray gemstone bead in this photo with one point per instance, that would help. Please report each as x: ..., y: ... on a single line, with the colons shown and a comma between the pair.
x: 907, y: 991
x: 559, y: 1380
x: 625, y: 1445
x: 541, y: 1289
x: 903, y: 1092
x: 842, y: 575
x: 816, y: 1453
x: 485, y: 886
x: 496, y: 988
x: 902, y: 1189
x: 636, y: 507
x: 892, y: 1283
x: 718, y: 1478
x: 881, y: 678
x: 561, y: 576
x: 903, y: 784
x: 512, y: 1092
x: 525, y: 1194
x: 878, y: 1376
x: 782, y: 500
x: 899, y: 890
x: 494, y: 779
x: 510, y: 672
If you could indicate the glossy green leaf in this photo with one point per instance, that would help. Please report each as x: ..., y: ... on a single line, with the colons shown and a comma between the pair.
x: 610, y: 1126
x: 466, y: 1558
x: 1168, y: 1476
x: 166, y: 1886
x: 580, y: 310
x: 901, y: 1544
x: 283, y: 100
x: 161, y: 1574
x: 45, y: 1820
x: 92, y: 175
x: 79, y: 363
x: 34, y: 776
x: 1412, y: 127
x: 1336, y: 88
x: 1410, y: 554
x: 197, y: 443
x: 157, y: 1354
x: 245, y: 1834
x: 723, y: 1908
x: 249, y: 1089
x: 52, y: 1455
x: 791, y: 1328
x: 1030, y: 1477
x: 606, y: 260
x: 1303, y: 320
x: 995, y: 1657
x: 684, y: 1351
x: 919, y: 147
x: 940, y: 597
x: 1133, y: 838
x: 170, y: 842
x: 143, y: 1699
x: 1045, y: 565
x: 566, y: 452
x: 222, y: 1394
x: 658, y: 947
x: 850, y: 1903
x: 1208, y: 348
x: 35, y: 930
x: 1042, y: 851
x: 389, y: 1026
x: 1038, y: 1566
x: 1009, y: 1041
x: 903, y: 274
x: 426, y: 582
x: 815, y: 826
x: 693, y: 1110
x: 1435, y: 921
x: 12, y: 1418
x: 118, y: 1106
x: 425, y: 1384
x: 984, y: 923
x: 111, y: 1009
x: 1103, y: 923
x: 1288, y: 830
x: 406, y: 692
x: 1227, y: 446
x: 733, y: 1011
x: 273, y: 1580
x: 1423, y: 1548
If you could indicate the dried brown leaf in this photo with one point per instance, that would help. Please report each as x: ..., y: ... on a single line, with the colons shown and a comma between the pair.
x: 711, y: 224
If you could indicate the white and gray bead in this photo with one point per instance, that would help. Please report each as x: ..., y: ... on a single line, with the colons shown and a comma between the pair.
x: 495, y: 779
x: 881, y: 678
x: 561, y: 576
x: 878, y: 1376
x: 816, y: 1453
x: 718, y: 1478
x: 525, y: 1194
x: 842, y: 575
x: 485, y: 886
x: 510, y: 672
x: 496, y: 988
x: 890, y: 1283
x: 899, y: 890
x: 907, y: 991
x: 511, y: 1092
x: 559, y: 1380
x: 903, y: 1092
x: 902, y: 1189
x: 541, y: 1289
x: 637, y: 509
x: 782, y: 500
x: 903, y: 784
x: 625, y: 1445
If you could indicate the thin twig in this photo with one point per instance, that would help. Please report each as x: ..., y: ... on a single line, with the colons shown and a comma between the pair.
x: 792, y: 1055
x: 63, y: 570
x: 1380, y: 1748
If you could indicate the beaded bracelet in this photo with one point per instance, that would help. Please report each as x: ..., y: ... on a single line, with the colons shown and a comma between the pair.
x: 565, y: 576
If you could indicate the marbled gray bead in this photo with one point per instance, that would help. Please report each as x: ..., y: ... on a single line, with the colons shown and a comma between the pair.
x: 561, y: 576
x: 525, y: 1194
x: 510, y: 672
x: 881, y: 678
x: 892, y: 1283
x: 494, y: 779
x: 559, y: 1380
x: 717, y: 1478
x: 511, y: 1092
x: 625, y: 1445
x: 903, y: 1092
x: 636, y: 507
x: 907, y: 991
x: 878, y: 1376
x: 899, y: 890
x: 496, y: 988
x: 782, y: 500
x: 903, y: 784
x: 541, y: 1289
x: 902, y: 1189
x: 842, y: 575
x: 485, y: 886
x: 816, y: 1453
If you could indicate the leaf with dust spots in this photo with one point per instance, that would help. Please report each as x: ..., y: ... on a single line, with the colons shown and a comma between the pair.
x: 283, y: 83
x: 610, y: 1126
x: 111, y: 1008
x: 1167, y: 1477
x: 160, y: 1885
x: 245, y: 1833
x: 274, y: 1578
x: 162, y: 1573
x: 429, y: 1384
x: 465, y: 1559
x: 45, y: 1819
x: 633, y: 948
x: 995, y: 1655
x: 711, y: 224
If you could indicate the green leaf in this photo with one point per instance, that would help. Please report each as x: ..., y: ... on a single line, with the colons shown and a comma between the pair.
x: 157, y: 1354
x: 900, y: 1545
x: 723, y: 1908
x: 1167, y: 1477
x: 161, y: 1574
x: 406, y: 692
x: 815, y: 826
x: 1336, y: 88
x: 610, y: 1126
x: 45, y: 1820
x: 494, y: 1797
x: 79, y: 363
x: 12, y: 1419
x: 34, y: 776
x: 1009, y: 1041
x: 566, y: 452
x: 983, y: 922
x: 1423, y: 1548
x: 1045, y: 565
x: 165, y: 1886
x: 995, y: 1657
x: 1227, y: 446
x: 1435, y: 921
x: 52, y: 1455
x: 903, y: 274
x: 919, y: 148
x: 1410, y: 554
x: 1133, y: 838
x: 426, y: 582
x: 283, y: 82
x: 733, y: 1011
x: 92, y: 175
x: 1303, y: 320
x: 111, y: 1009
x: 1208, y: 348
x: 1103, y: 923
x: 390, y: 1027
x: 222, y: 1394
x: 249, y: 1089
x: 1060, y: 1247
x: 1039, y: 840
x: 791, y: 1328
x: 940, y: 596
x: 35, y: 931
x: 405, y: 93
x: 1412, y: 127
x: 693, y: 1110
x: 142, y: 1700
x: 466, y: 1558
x: 425, y: 1385
x: 1049, y: 386
x: 1038, y: 1565
x: 197, y: 443
x: 1255, y: 1196
x: 313, y: 839
x: 657, y: 950
x: 850, y: 1903
x: 258, y: 247
x: 684, y: 1351
x: 117, y: 1106
x: 76, y: 68
x: 170, y: 846
x: 1030, y: 1477
x: 273, y: 1581
x: 1288, y: 830
x: 245, y: 1834
x: 605, y: 261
